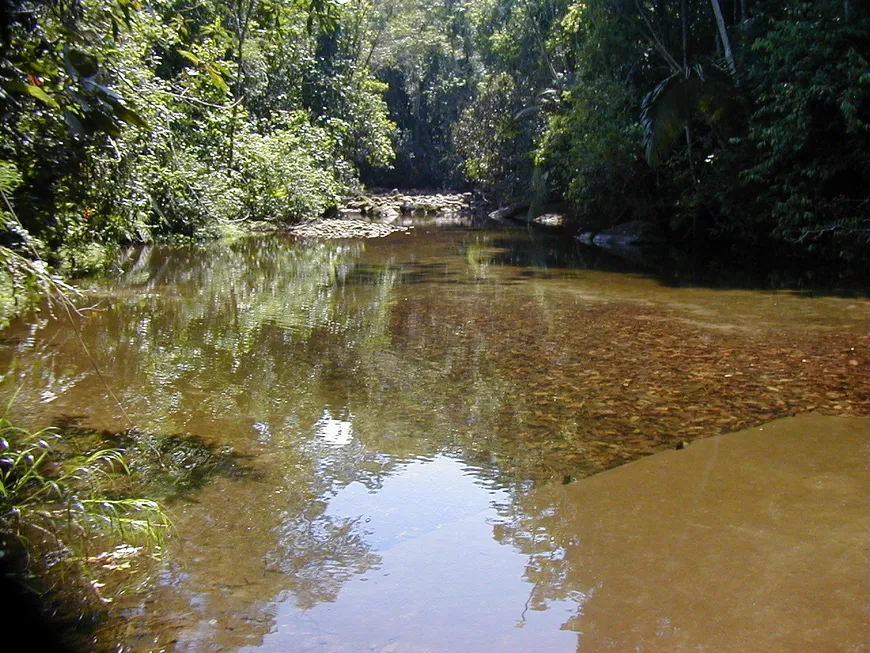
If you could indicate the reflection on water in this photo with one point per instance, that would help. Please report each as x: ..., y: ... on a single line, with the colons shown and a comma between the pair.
x: 400, y: 400
x: 442, y: 582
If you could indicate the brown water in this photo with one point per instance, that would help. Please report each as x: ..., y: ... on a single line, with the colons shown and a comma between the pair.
x: 403, y: 406
x: 751, y: 541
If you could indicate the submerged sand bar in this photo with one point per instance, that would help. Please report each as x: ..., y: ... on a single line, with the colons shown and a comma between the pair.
x: 751, y: 541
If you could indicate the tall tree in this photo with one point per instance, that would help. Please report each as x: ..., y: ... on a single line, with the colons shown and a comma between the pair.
x: 723, y: 34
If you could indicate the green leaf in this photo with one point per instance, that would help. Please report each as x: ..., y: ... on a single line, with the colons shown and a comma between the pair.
x: 189, y: 56
x: 129, y: 116
x: 217, y: 79
x: 125, y: 10
x: 32, y: 91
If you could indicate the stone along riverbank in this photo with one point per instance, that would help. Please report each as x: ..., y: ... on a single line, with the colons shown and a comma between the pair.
x: 379, y: 215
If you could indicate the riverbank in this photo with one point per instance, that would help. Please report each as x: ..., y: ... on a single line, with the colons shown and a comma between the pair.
x: 639, y: 245
x: 380, y: 214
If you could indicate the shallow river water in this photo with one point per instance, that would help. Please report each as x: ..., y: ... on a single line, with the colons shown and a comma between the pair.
x: 412, y: 431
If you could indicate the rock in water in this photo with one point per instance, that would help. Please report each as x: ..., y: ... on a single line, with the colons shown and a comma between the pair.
x: 637, y: 232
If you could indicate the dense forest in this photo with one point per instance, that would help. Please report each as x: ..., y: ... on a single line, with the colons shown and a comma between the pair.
x: 740, y: 121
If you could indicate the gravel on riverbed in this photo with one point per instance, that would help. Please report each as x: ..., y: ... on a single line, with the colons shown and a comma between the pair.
x: 345, y: 229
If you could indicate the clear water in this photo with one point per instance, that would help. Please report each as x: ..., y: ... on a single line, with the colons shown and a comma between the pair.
x: 397, y: 405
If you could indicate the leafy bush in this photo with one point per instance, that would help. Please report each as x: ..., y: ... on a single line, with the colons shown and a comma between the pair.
x: 591, y: 149
x: 140, y: 122
x: 288, y: 174
x: 495, y: 141
x: 809, y: 134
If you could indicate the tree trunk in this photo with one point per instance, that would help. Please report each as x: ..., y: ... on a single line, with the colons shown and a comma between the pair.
x: 684, y: 18
x: 689, y: 153
x: 242, y: 19
x: 723, y: 34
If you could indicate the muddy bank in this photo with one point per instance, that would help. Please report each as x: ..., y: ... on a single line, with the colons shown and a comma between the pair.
x: 752, y: 541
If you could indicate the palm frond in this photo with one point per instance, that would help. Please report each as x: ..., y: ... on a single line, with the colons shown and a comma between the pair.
x: 674, y: 101
x: 664, y: 113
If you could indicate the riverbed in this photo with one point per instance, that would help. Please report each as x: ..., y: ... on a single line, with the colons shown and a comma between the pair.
x: 421, y: 427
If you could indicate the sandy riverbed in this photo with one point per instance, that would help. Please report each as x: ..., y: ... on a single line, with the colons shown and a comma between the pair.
x: 752, y: 541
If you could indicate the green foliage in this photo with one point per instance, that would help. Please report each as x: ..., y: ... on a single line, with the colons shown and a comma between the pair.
x: 289, y: 174
x: 495, y: 140
x: 123, y: 122
x: 424, y: 52
x: 127, y: 122
x: 24, y: 279
x: 809, y: 134
x: 63, y: 505
x: 599, y: 173
x: 47, y: 59
x: 777, y: 151
x: 10, y: 177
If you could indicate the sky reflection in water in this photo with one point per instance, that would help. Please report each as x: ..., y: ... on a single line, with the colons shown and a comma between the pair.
x: 442, y: 584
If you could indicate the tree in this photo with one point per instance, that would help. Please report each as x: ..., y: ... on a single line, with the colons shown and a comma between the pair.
x: 200, y: 113
x: 809, y: 133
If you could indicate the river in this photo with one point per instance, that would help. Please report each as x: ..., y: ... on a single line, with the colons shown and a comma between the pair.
x: 414, y: 432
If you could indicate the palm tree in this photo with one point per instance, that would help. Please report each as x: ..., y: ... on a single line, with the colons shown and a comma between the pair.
x: 668, y: 109
x: 670, y: 106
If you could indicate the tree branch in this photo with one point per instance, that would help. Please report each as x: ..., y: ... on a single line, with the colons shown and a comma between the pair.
x: 656, y: 41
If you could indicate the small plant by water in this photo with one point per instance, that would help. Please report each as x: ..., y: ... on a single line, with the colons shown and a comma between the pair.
x: 65, y: 521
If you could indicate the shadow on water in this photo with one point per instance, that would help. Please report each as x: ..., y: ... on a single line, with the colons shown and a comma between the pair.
x: 168, y: 467
x: 548, y: 253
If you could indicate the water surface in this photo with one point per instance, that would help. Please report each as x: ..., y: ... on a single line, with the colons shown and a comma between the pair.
x: 395, y: 407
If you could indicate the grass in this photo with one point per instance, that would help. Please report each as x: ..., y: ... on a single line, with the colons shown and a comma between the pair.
x: 71, y: 538
x: 66, y: 515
